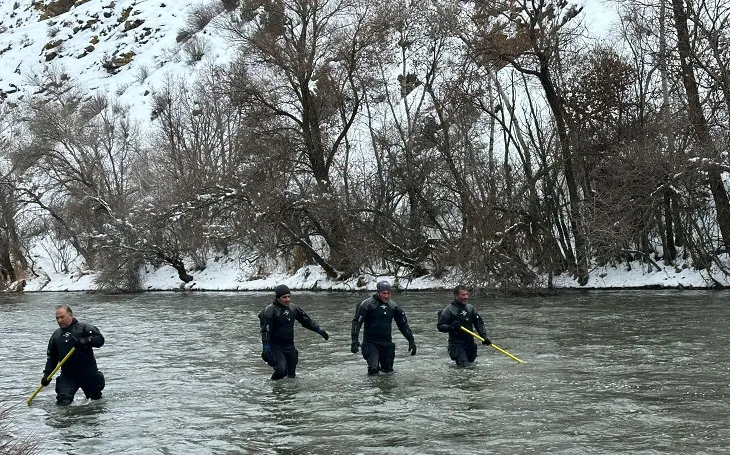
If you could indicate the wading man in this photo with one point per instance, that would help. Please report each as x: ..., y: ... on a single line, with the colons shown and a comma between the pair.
x: 80, y: 369
x: 378, y: 313
x: 277, y: 333
x: 460, y: 313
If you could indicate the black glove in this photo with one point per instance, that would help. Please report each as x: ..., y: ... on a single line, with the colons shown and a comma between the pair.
x: 355, y: 346
x: 486, y: 341
x: 82, y: 342
x: 267, y: 356
x: 45, y: 381
x: 456, y: 326
x: 323, y: 333
x: 412, y: 346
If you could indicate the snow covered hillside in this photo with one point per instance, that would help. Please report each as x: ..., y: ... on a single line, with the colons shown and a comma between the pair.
x: 125, y: 48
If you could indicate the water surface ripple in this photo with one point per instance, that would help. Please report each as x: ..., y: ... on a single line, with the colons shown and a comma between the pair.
x: 605, y: 373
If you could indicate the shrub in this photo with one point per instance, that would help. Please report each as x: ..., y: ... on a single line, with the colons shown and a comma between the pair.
x: 230, y: 5
x: 201, y: 15
x: 195, y: 49
x: 142, y: 74
x: 183, y: 35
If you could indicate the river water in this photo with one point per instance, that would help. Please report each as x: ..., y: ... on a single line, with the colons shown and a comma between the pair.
x: 640, y: 372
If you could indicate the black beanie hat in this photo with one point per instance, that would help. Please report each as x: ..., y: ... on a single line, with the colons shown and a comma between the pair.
x: 280, y: 290
x: 383, y: 286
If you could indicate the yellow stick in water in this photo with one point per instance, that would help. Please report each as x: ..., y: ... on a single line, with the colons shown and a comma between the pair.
x: 60, y: 364
x: 492, y: 345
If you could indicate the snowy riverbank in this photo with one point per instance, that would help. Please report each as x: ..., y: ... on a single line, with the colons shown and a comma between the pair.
x: 227, y: 275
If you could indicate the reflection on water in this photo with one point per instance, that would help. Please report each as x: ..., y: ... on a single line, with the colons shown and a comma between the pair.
x: 85, y: 412
x: 612, y: 372
x: 284, y: 391
x: 386, y: 384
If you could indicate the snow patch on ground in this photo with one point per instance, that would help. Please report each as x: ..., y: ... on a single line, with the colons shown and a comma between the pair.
x: 228, y: 274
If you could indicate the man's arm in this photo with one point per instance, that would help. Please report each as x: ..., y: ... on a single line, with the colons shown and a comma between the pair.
x: 92, y: 335
x: 306, y: 321
x: 479, y: 324
x: 405, y: 329
x: 51, y: 357
x: 402, y: 322
x: 266, y: 322
x: 357, y: 320
x: 444, y: 320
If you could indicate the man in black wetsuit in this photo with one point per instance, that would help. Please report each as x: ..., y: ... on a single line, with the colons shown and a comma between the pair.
x: 80, y: 370
x: 277, y: 333
x: 460, y: 313
x: 378, y: 312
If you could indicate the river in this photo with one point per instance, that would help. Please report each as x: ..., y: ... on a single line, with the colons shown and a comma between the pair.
x: 640, y: 372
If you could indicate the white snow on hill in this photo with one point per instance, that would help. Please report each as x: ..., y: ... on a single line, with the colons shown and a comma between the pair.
x: 124, y: 48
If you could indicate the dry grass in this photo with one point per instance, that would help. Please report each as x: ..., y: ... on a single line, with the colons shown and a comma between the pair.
x: 10, y: 443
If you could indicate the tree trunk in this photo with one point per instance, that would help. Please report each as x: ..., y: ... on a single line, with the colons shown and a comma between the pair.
x: 576, y: 225
x: 700, y: 128
x: 178, y: 265
x: 670, y: 250
x: 6, y: 264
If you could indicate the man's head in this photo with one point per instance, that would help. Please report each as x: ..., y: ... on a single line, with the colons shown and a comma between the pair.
x: 64, y: 316
x: 283, y: 295
x: 383, y: 288
x: 461, y: 293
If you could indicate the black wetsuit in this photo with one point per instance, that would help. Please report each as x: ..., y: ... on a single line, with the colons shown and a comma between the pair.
x: 80, y: 370
x: 277, y: 331
x: 462, y: 347
x: 378, y: 348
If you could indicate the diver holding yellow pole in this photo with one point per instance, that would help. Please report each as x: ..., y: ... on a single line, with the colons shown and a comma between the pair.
x: 492, y: 345
x: 50, y: 376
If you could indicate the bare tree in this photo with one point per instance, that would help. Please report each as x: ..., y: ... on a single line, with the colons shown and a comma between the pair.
x: 405, y: 200
x: 74, y: 161
x: 530, y: 37
x: 12, y: 259
x: 699, y: 124
x: 306, y: 55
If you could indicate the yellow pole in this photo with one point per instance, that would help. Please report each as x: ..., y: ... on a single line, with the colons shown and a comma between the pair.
x: 492, y: 345
x: 60, y: 364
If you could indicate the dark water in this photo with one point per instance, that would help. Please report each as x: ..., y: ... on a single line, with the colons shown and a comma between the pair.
x: 603, y: 373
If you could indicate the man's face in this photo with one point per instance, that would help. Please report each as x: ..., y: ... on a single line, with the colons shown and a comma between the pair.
x: 63, y: 318
x: 384, y: 296
x: 462, y: 296
x: 285, y: 299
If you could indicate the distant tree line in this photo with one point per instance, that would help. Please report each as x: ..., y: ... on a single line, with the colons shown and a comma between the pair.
x: 494, y: 140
